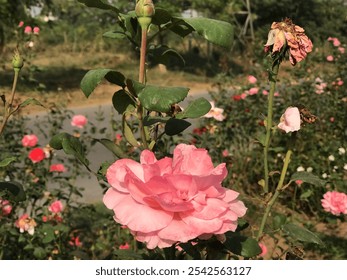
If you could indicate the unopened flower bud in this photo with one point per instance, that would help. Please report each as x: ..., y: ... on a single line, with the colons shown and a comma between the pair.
x: 17, y: 61
x: 144, y: 11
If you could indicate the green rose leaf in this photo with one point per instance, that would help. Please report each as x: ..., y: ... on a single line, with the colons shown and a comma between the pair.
x: 100, y: 4
x: 122, y: 101
x: 217, y: 32
x: 71, y: 146
x: 30, y: 101
x: 40, y: 253
x: 243, y: 246
x: 114, y: 34
x: 195, y: 109
x: 94, y: 77
x: 134, y: 86
x: 161, y: 16
x: 175, y: 126
x: 308, y: 177
x: 163, y: 55
x: 301, y: 234
x: 160, y: 99
x: 148, y: 120
x: 15, y: 189
x: 111, y: 146
x: 7, y: 161
x: 128, y: 133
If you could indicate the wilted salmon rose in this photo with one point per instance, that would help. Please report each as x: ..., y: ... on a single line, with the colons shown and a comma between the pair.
x: 172, y: 199
x: 286, y: 34
x: 25, y: 223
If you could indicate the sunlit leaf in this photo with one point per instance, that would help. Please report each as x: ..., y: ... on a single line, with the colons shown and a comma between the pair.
x: 196, y: 109
x: 217, y: 32
x: 301, y: 234
x: 7, y: 161
x: 114, y: 35
x: 160, y: 99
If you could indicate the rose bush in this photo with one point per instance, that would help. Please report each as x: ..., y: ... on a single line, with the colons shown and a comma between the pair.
x: 172, y: 199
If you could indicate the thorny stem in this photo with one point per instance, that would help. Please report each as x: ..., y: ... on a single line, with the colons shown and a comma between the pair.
x: 273, y: 77
x: 278, y: 191
x: 140, y: 109
x: 8, y: 106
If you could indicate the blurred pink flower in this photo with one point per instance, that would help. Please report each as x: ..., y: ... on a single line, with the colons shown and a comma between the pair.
x: 263, y: 249
x: 330, y: 58
x: 341, y: 49
x: 265, y: 92
x: 125, y: 246
x: 339, y: 82
x: 253, y: 90
x: 36, y: 30
x: 225, y: 153
x: 182, y: 197
x: 29, y: 140
x: 336, y: 42
x: 57, y: 168
x: 25, y: 223
x: 28, y: 30
x: 6, y: 207
x: 335, y: 202
x: 56, y: 207
x: 36, y: 155
x: 79, y: 121
x: 332, y: 119
x: 286, y: 33
x: 243, y: 95
x: 20, y: 24
x: 276, y: 94
x: 290, y: 120
x: 252, y: 79
x: 216, y: 113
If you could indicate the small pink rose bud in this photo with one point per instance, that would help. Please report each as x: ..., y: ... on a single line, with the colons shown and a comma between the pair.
x: 28, y: 30
x: 36, y: 30
x: 144, y: 8
x: 20, y: 24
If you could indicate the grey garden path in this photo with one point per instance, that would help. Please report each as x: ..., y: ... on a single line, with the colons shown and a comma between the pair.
x: 92, y: 192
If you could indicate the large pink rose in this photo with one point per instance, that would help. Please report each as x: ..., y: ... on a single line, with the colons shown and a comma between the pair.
x: 290, y: 120
x: 335, y: 203
x: 172, y: 199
